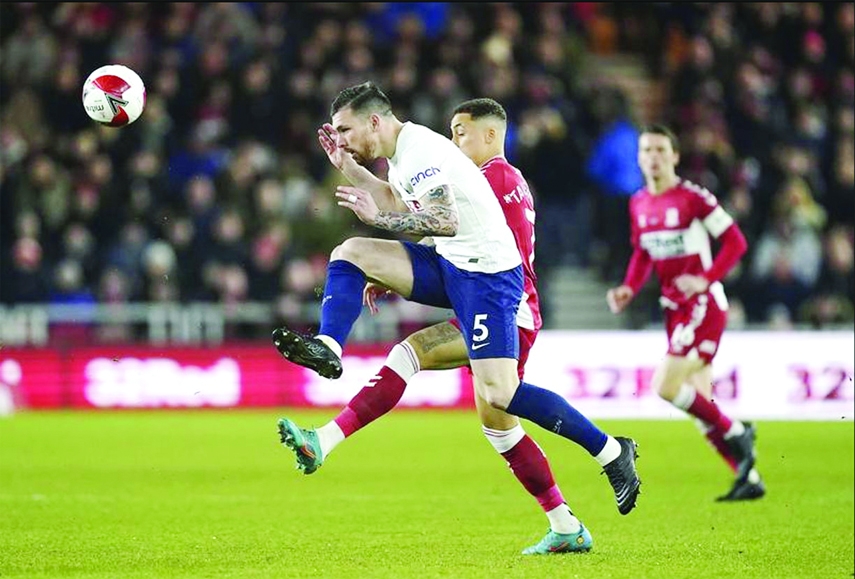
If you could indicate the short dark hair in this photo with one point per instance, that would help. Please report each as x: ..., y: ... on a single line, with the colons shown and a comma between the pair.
x: 361, y: 98
x: 481, y: 107
x: 665, y: 131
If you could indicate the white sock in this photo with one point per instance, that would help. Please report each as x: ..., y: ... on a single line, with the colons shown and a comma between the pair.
x: 331, y: 343
x: 504, y: 440
x: 754, y: 476
x: 609, y: 453
x: 403, y: 361
x: 685, y: 397
x: 562, y: 521
x: 736, y: 429
x: 329, y: 436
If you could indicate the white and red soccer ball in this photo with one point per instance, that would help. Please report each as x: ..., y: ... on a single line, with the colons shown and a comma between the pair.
x: 114, y: 95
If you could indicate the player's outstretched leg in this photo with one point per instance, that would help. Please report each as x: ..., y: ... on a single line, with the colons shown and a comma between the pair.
x: 623, y: 476
x: 554, y: 543
x: 340, y: 309
x: 304, y: 443
x: 552, y: 412
x: 307, y: 351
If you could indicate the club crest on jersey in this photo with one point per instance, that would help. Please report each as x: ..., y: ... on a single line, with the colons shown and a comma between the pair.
x: 642, y: 220
x: 429, y: 172
x: 672, y: 217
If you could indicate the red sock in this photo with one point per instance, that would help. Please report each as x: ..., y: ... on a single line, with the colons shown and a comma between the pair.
x: 528, y: 463
x: 708, y: 411
x: 378, y: 397
x: 716, y: 438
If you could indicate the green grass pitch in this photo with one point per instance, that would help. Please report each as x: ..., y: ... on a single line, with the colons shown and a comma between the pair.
x: 212, y: 494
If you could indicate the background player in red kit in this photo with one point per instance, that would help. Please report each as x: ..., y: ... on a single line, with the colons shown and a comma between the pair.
x: 478, y: 129
x: 671, y: 224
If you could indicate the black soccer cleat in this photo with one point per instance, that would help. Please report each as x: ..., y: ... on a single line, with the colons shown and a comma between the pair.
x: 743, y: 490
x: 742, y: 447
x: 623, y: 476
x: 308, y: 352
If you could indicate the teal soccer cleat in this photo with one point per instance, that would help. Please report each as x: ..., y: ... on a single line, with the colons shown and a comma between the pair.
x: 304, y: 443
x: 553, y: 542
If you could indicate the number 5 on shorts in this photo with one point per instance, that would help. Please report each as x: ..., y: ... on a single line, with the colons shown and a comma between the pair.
x: 480, y: 332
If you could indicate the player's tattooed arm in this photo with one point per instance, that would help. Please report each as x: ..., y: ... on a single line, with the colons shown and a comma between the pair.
x: 438, y: 218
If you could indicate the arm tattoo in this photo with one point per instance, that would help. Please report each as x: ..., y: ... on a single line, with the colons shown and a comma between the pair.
x: 439, y: 217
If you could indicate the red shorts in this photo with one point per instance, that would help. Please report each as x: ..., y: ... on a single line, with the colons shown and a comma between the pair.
x: 527, y: 338
x: 695, y: 328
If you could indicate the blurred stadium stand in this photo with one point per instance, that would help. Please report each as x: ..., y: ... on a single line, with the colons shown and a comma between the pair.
x: 211, y: 217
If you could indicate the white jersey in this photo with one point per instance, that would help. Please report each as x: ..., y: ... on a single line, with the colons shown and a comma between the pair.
x: 425, y: 160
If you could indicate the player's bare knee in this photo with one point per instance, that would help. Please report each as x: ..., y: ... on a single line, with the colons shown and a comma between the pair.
x: 497, y: 397
x: 349, y: 250
x: 667, y: 388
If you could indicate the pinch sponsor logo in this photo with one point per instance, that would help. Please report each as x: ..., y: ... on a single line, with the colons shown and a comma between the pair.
x: 158, y: 382
x: 429, y: 172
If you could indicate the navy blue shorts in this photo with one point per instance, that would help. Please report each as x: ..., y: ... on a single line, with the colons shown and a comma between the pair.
x: 485, y: 303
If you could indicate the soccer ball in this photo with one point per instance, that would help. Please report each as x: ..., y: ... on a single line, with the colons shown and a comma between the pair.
x: 114, y: 95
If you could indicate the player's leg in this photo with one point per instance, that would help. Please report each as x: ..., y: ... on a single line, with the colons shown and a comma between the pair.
x: 351, y: 264
x: 694, y: 331
x: 377, y: 397
x: 671, y: 380
x: 486, y: 306
x: 528, y: 463
x: 385, y: 389
x: 553, y: 412
x: 437, y: 347
x: 745, y: 487
x: 701, y: 381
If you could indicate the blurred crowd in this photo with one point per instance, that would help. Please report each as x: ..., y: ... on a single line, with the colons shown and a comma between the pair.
x: 220, y: 192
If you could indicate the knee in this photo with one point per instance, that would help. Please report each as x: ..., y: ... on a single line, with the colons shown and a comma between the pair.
x: 497, y: 397
x: 665, y: 390
x: 349, y: 250
x: 665, y: 395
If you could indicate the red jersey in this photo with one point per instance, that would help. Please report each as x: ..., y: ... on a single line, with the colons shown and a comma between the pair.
x: 518, y: 204
x: 673, y: 229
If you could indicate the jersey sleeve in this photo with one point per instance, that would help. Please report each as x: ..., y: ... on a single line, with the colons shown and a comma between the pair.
x: 426, y: 169
x: 707, y: 209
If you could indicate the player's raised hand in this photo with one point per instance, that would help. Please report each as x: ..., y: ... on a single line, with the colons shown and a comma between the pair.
x: 371, y: 293
x: 359, y: 201
x: 329, y: 140
x: 619, y: 297
x: 691, y: 284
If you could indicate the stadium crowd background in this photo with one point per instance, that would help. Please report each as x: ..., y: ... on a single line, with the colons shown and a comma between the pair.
x: 221, y: 193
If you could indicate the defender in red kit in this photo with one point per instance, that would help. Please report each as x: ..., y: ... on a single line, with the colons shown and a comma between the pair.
x: 672, y: 221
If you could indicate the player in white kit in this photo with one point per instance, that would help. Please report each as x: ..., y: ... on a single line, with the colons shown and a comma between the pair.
x: 434, y: 190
